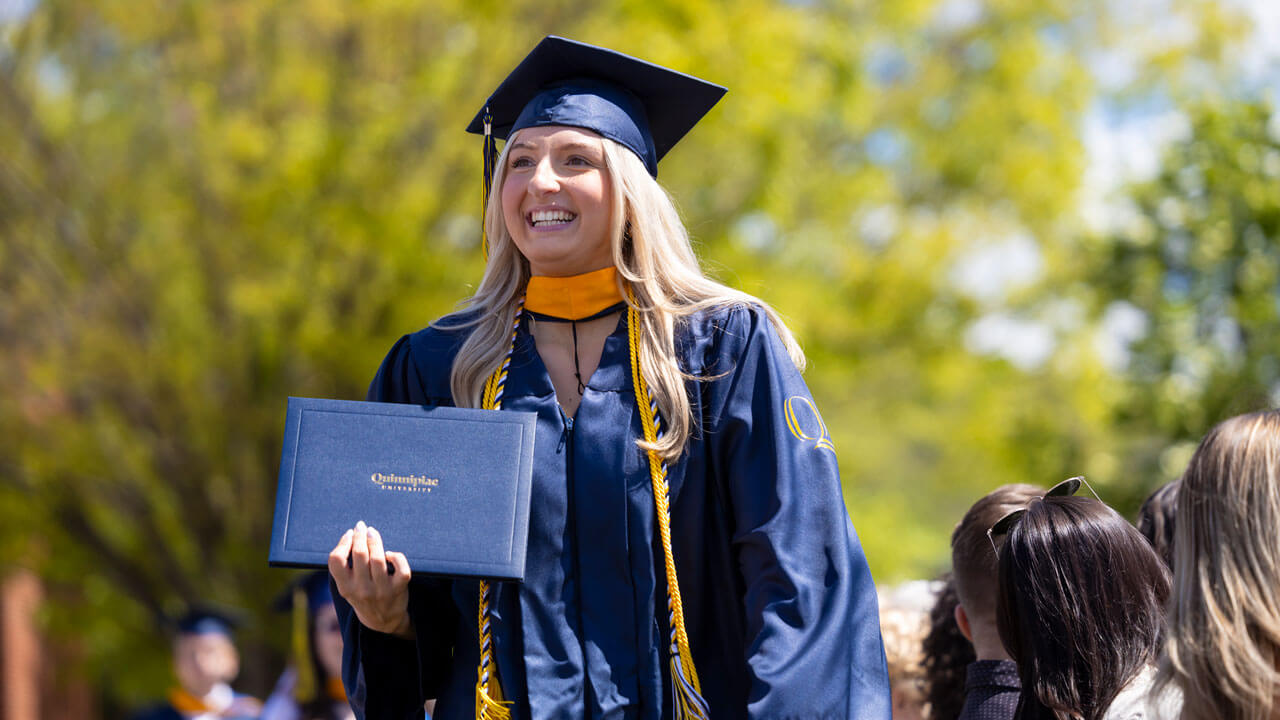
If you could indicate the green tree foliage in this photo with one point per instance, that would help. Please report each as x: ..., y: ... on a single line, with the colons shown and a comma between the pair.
x: 206, y: 207
x: 1196, y: 252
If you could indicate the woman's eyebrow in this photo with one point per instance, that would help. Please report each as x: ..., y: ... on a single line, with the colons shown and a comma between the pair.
x: 580, y: 147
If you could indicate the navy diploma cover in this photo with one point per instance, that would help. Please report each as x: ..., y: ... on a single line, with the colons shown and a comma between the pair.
x: 448, y: 487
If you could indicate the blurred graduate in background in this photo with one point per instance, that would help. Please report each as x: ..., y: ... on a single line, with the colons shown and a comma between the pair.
x: 205, y: 661
x: 311, y: 687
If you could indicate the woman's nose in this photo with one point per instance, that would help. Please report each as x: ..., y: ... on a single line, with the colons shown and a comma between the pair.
x: 544, y: 178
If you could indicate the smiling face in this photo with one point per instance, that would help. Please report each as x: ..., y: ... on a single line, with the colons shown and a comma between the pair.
x: 557, y: 200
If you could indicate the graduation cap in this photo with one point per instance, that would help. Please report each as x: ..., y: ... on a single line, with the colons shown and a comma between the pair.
x: 205, y: 620
x: 310, y: 591
x: 645, y: 107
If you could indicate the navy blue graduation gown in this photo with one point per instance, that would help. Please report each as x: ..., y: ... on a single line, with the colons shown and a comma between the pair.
x: 779, y: 604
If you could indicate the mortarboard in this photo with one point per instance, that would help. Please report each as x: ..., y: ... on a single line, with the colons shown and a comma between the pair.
x: 203, y: 621
x: 643, y: 106
x: 310, y: 590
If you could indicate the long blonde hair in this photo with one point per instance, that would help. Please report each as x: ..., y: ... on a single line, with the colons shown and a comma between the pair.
x: 655, y: 259
x: 1224, y: 616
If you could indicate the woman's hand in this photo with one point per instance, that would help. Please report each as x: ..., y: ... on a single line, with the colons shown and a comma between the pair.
x: 376, y: 583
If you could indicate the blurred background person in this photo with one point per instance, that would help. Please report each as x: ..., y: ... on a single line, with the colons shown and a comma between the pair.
x: 947, y: 655
x: 1223, y: 650
x: 205, y: 662
x: 311, y: 687
x: 904, y: 623
x: 903, y: 630
x: 1080, y: 608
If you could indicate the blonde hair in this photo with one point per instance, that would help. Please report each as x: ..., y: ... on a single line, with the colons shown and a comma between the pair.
x: 1224, y: 615
x: 655, y: 260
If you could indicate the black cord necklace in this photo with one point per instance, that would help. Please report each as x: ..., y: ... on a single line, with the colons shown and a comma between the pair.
x: 573, y: 326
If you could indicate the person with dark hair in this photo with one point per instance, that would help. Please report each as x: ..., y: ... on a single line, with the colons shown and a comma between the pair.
x: 991, y: 686
x: 947, y: 656
x: 1080, y: 608
x: 1223, y: 651
x: 311, y: 687
x: 1156, y: 520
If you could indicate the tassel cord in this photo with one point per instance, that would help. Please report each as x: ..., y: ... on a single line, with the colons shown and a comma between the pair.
x: 686, y: 690
x: 490, y: 703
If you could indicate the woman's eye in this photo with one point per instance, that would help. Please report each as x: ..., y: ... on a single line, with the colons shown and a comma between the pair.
x: 521, y: 162
x: 581, y: 161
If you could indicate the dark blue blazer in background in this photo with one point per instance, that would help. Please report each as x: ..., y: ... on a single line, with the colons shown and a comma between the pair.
x: 779, y: 604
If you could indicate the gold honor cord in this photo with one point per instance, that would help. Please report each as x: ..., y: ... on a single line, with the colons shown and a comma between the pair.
x: 490, y: 703
x: 686, y: 691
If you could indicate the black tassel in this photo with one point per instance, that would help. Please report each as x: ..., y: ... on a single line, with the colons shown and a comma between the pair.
x: 490, y: 161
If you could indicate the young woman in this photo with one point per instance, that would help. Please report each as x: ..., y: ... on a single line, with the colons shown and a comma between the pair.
x: 689, y: 551
x: 1223, y: 651
x: 1080, y: 608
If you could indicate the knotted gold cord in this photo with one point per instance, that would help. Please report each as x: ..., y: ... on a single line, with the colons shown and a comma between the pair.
x: 686, y: 691
x: 490, y: 704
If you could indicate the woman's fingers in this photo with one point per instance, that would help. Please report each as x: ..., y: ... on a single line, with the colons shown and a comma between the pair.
x: 377, y: 558
x: 401, y: 565
x: 339, y: 556
x: 360, y: 552
x: 376, y: 583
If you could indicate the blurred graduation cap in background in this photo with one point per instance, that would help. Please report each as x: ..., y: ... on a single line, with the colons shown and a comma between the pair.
x: 309, y: 591
x: 204, y: 619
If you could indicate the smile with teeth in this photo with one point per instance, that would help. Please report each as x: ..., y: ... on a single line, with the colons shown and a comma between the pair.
x: 548, y: 218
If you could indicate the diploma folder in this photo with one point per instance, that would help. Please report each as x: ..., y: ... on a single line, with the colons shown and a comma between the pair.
x: 448, y: 487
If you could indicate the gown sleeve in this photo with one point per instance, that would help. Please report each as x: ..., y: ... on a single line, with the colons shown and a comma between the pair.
x: 813, y: 646
x: 386, y: 676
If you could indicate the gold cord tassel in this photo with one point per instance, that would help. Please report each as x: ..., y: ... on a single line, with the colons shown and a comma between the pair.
x: 490, y: 704
x: 686, y: 691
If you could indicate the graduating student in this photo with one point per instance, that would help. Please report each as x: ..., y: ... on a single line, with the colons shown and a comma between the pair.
x: 689, y: 552
x: 311, y: 687
x: 205, y: 661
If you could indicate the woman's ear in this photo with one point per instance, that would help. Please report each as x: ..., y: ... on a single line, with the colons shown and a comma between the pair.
x: 962, y: 619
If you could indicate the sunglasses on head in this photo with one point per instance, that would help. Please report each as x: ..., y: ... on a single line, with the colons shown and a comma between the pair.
x: 1065, y: 488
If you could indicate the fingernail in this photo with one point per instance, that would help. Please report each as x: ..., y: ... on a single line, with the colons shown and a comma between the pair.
x: 372, y: 530
x: 360, y: 527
